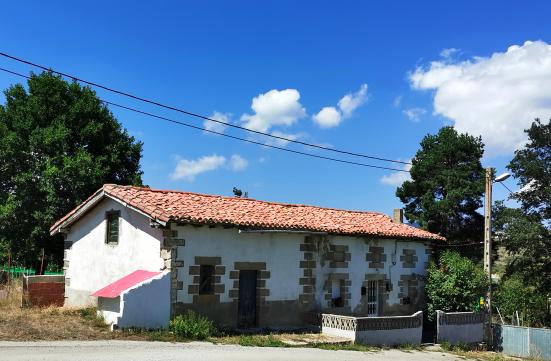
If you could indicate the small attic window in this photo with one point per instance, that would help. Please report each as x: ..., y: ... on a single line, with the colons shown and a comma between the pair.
x: 112, y: 233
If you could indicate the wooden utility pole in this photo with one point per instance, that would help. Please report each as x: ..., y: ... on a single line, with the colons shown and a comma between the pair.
x: 488, y: 241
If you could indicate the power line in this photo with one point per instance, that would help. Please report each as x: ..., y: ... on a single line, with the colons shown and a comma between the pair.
x: 510, y: 191
x: 199, y: 115
x: 228, y: 135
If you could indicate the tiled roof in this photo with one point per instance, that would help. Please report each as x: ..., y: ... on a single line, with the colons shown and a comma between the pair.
x: 247, y: 213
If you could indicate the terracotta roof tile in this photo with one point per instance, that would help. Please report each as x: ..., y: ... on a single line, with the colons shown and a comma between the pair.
x: 209, y: 209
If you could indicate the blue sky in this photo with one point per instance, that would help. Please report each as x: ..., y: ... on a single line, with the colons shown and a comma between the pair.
x: 424, y: 65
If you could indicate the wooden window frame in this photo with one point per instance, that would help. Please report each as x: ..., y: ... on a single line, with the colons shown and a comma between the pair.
x: 108, y: 219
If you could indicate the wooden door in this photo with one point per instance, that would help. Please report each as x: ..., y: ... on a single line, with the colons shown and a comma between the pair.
x: 246, y: 307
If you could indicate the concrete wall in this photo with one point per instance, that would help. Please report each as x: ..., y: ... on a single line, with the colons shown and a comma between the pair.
x: 284, y: 282
x: 91, y: 264
x: 388, y: 331
x: 460, y: 327
x: 146, y: 305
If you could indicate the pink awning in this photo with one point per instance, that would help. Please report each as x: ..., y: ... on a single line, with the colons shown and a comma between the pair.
x: 116, y: 288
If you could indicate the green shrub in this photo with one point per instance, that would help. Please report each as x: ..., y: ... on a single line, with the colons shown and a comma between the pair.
x: 455, y: 284
x: 513, y: 294
x: 192, y: 326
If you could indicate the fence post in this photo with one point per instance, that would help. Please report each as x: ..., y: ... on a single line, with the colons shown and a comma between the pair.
x: 528, y: 340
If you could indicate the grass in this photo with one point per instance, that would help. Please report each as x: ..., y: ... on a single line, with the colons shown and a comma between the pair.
x: 47, y: 323
x: 474, y: 352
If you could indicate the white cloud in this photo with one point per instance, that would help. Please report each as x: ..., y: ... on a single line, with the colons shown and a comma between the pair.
x: 352, y: 101
x: 396, y: 178
x: 238, y: 163
x: 214, y: 126
x: 329, y: 117
x: 188, y: 169
x: 448, y: 53
x: 414, y: 114
x: 276, y: 107
x: 495, y: 97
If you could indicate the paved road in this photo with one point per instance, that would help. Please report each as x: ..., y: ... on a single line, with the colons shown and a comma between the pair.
x: 202, y: 351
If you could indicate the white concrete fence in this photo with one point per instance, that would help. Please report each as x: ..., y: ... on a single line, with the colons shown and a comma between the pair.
x: 389, y: 331
x: 460, y: 327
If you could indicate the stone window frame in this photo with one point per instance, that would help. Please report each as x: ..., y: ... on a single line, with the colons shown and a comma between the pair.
x: 345, y: 284
x: 218, y: 287
x: 409, y: 258
x: 409, y: 289
x: 376, y: 257
x: 338, y: 256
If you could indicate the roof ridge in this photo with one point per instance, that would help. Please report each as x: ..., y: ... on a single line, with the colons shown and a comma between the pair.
x: 245, y: 199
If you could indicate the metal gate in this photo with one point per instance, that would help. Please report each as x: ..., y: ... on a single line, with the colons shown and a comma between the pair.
x: 372, y: 299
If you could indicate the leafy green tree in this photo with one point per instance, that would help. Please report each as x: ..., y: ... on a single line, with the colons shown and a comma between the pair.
x: 446, y: 186
x: 532, y: 165
x: 454, y: 284
x: 526, y: 232
x: 528, y: 245
x: 58, y: 144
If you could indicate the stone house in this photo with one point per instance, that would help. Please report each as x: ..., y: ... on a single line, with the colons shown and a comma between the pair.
x: 244, y: 262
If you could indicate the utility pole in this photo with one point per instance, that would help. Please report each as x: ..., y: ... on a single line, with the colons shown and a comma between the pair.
x: 488, y: 243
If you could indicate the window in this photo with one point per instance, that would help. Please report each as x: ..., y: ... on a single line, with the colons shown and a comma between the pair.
x: 112, y: 234
x: 206, y: 280
x: 336, y: 297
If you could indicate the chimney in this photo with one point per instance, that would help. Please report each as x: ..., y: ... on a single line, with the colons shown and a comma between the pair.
x: 398, y: 215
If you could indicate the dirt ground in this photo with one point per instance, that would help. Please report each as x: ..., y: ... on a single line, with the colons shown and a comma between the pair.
x: 50, y: 323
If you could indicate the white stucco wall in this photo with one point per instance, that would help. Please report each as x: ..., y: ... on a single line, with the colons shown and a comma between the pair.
x: 93, y: 264
x: 146, y: 305
x: 281, y: 252
x: 467, y: 331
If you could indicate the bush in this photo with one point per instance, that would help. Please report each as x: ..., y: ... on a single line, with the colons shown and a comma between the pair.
x: 192, y: 326
x: 513, y: 294
x: 455, y: 284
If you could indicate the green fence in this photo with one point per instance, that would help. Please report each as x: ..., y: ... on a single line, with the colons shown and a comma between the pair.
x: 18, y: 271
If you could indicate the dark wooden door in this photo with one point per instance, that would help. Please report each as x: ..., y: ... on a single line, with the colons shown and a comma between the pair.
x: 246, y: 307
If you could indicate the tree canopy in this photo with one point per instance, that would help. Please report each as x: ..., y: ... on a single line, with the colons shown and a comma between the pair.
x: 446, y: 186
x: 526, y: 232
x: 58, y: 144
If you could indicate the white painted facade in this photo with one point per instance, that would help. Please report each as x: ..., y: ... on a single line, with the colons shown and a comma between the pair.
x: 93, y: 264
x: 145, y: 305
x: 281, y: 253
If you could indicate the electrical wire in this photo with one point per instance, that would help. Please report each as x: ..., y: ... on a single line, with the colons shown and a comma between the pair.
x: 120, y: 92
x: 135, y: 110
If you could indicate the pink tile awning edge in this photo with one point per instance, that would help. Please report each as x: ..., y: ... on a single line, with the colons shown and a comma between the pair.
x: 119, y: 286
